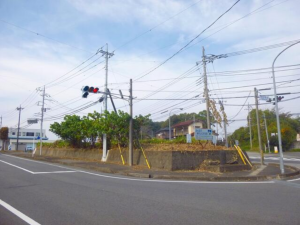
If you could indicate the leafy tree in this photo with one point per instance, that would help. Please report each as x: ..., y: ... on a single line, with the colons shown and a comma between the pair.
x: 289, y: 128
x: 70, y: 130
x: 4, y: 136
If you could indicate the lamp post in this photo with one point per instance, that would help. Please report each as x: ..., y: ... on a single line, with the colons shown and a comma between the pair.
x: 276, y: 109
x: 170, y: 121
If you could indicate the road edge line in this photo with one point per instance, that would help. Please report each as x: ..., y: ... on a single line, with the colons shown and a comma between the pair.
x: 18, y: 213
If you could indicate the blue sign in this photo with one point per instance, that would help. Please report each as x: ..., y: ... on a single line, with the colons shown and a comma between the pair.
x: 203, y: 134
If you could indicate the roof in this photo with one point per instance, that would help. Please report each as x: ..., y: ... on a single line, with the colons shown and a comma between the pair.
x: 186, y: 123
x: 163, y: 129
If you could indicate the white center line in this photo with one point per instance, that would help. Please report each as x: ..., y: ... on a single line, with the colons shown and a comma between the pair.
x: 18, y: 213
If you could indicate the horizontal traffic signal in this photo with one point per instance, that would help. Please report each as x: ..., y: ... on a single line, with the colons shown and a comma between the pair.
x: 86, y: 90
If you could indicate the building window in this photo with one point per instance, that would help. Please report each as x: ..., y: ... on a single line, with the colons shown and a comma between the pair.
x: 13, y: 133
x: 23, y: 133
x: 37, y: 134
x: 30, y: 134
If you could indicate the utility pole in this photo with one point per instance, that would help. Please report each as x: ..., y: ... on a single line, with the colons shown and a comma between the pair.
x: 1, y: 121
x: 42, y: 118
x: 205, y: 89
x: 258, y: 128
x: 130, y: 160
x: 225, y: 133
x: 250, y: 126
x: 224, y: 124
x: 277, y: 110
x: 107, y: 56
x: 267, y: 135
x: 19, y: 109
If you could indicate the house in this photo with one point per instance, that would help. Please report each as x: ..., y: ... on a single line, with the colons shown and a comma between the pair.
x: 298, y: 137
x: 27, y: 137
x: 163, y: 133
x: 186, y: 127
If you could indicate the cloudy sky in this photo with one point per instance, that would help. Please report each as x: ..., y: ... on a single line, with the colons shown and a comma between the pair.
x: 46, y: 43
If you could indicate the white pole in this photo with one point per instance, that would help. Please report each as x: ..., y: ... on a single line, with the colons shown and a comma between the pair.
x: 41, y: 135
x: 277, y: 111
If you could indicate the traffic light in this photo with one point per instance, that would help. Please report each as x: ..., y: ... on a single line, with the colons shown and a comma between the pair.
x: 86, y: 90
x: 101, y: 99
x: 279, y: 98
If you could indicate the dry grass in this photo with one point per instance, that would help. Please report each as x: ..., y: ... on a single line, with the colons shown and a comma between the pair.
x: 182, y: 147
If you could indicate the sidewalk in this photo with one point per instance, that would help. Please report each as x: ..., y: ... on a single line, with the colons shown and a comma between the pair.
x: 259, y: 173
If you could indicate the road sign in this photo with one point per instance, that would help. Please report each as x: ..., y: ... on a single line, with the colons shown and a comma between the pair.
x: 203, y: 134
x: 188, y: 138
x: 264, y: 97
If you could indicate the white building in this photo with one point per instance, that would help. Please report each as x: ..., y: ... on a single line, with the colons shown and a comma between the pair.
x: 27, y: 137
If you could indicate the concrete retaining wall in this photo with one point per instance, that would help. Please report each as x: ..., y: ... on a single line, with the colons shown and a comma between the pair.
x: 167, y: 160
x: 174, y: 160
x: 91, y: 154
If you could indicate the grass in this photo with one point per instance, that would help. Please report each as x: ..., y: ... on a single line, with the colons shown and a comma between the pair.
x: 295, y: 150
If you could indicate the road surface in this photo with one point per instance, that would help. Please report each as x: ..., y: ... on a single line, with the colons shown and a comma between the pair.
x: 40, y: 193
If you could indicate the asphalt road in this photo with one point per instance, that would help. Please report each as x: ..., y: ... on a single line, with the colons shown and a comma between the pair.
x: 50, y: 194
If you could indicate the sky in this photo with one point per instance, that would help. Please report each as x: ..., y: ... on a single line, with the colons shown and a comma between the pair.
x: 156, y: 44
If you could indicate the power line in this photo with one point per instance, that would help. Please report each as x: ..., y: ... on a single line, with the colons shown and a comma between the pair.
x: 185, y: 46
x: 156, y: 26
x: 42, y: 35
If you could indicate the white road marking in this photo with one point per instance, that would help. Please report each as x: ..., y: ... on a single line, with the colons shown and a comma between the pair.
x: 18, y: 213
x: 55, y: 172
x: 17, y: 167
x: 293, y: 180
x: 276, y: 158
x: 21, y: 168
x: 30, y: 160
x: 180, y: 181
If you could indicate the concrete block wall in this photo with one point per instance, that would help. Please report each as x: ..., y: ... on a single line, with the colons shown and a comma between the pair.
x: 173, y: 160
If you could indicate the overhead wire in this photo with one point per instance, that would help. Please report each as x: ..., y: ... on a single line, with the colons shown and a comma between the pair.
x: 186, y: 45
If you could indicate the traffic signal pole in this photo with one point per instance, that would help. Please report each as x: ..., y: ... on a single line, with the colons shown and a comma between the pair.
x: 107, y: 55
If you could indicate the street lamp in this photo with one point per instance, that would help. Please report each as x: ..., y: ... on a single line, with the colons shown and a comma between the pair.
x: 277, y: 112
x: 170, y: 121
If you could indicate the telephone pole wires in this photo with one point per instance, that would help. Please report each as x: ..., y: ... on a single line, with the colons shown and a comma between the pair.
x: 206, y: 89
x: 19, y: 109
x: 258, y: 128
x: 130, y: 160
x: 107, y: 56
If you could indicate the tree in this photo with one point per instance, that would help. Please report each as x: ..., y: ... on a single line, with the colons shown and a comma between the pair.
x: 289, y: 128
x: 4, y: 136
x: 70, y: 129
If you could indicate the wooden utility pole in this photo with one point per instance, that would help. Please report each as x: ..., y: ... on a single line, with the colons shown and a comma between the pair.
x: 19, y: 109
x: 206, y: 89
x: 258, y: 128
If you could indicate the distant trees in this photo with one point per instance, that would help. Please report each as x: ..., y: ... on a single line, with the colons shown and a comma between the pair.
x: 289, y: 128
x: 87, y: 130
